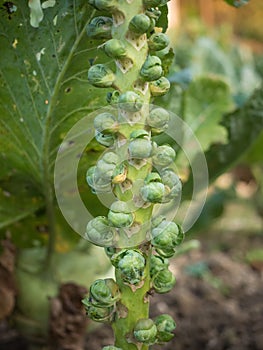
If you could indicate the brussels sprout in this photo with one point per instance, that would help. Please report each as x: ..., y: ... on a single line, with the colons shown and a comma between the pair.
x: 106, y: 166
x: 163, y: 156
x: 98, y: 314
x: 165, y: 252
x: 119, y: 214
x: 165, y: 326
x: 152, y: 177
x: 130, y: 101
x: 110, y: 251
x: 166, y: 235
x: 158, y: 118
x: 163, y: 281
x: 158, y: 41
x: 113, y: 97
x: 139, y: 24
x: 104, y: 5
x: 97, y: 183
x: 153, y: 191
x: 104, y: 292
x: 115, y: 48
x: 173, y: 181
x: 140, y: 146
x: 105, y: 123
x: 131, y: 264
x: 165, y: 323
x: 156, y: 221
x: 99, y: 232
x: 157, y: 264
x: 106, y: 140
x: 145, y: 331
x: 90, y: 176
x: 152, y: 68
x: 160, y: 87
x: 153, y: 13
x: 100, y: 75
x: 100, y: 27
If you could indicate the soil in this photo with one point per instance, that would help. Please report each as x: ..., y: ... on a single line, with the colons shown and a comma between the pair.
x: 217, y: 301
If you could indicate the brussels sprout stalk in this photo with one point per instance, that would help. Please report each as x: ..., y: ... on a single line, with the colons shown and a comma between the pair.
x: 135, y: 183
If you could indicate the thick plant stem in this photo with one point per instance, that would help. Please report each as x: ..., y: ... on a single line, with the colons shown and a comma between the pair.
x: 134, y: 303
x: 130, y: 170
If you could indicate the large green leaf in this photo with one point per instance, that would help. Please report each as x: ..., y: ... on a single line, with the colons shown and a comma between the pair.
x: 201, y: 106
x: 244, y: 127
x: 206, y: 100
x: 43, y: 92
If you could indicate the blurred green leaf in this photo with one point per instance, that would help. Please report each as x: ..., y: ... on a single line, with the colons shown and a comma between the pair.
x: 206, y: 100
x: 44, y: 91
x: 244, y: 127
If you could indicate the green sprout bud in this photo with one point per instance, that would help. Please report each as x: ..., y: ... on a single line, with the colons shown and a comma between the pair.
x: 105, y: 123
x: 158, y: 118
x: 174, y: 183
x: 145, y: 331
x: 90, y: 176
x: 110, y: 347
x: 165, y: 252
x: 165, y: 326
x: 139, y: 24
x: 106, y: 166
x: 97, y: 183
x: 100, y: 233
x: 104, y: 5
x: 106, y: 140
x: 140, y: 146
x: 98, y: 314
x: 100, y: 75
x: 154, y: 190
x: 166, y: 235
x: 104, y: 292
x: 119, y: 214
x: 115, y: 48
x: 160, y: 87
x: 131, y: 265
x: 152, y: 68
x: 153, y: 13
x: 158, y: 41
x: 110, y: 251
x: 163, y: 156
x: 163, y: 281
x: 100, y: 27
x: 157, y: 264
x: 156, y: 221
x: 130, y: 101
x: 113, y: 97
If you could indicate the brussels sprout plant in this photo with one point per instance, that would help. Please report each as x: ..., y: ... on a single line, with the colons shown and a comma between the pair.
x: 61, y: 61
x: 137, y: 244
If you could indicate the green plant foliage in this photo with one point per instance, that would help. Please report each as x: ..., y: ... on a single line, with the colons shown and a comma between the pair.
x: 244, y: 128
x: 206, y: 100
x: 44, y: 91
